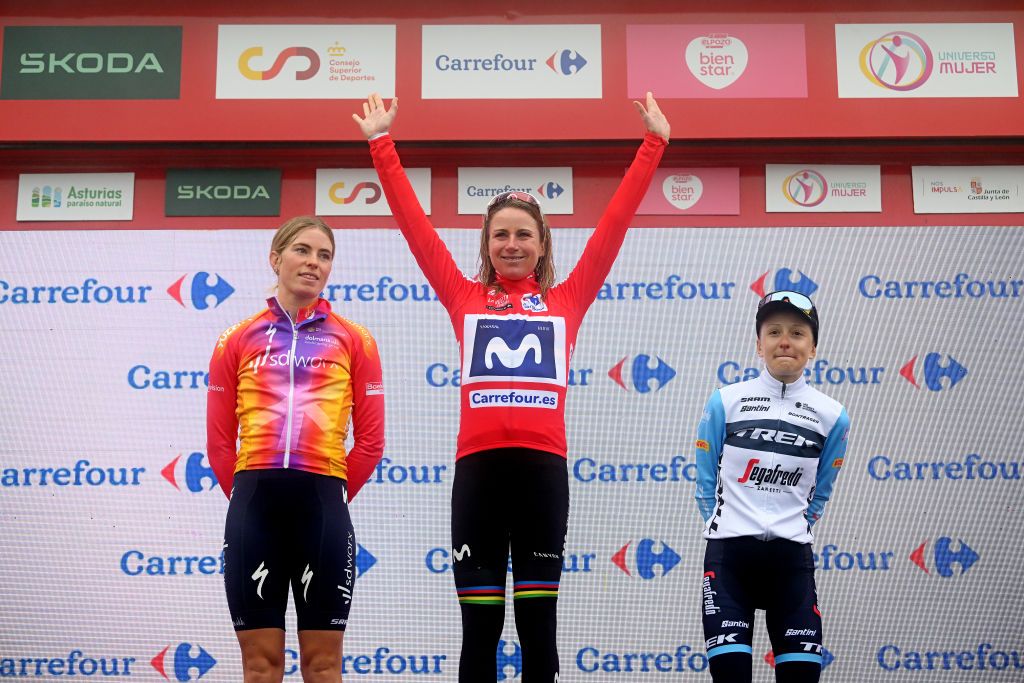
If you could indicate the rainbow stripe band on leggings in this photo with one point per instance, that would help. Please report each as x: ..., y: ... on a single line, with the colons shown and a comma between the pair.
x: 535, y: 589
x: 482, y: 595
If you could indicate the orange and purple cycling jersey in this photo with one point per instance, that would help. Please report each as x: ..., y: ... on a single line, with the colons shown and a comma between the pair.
x: 284, y: 392
x: 515, y: 345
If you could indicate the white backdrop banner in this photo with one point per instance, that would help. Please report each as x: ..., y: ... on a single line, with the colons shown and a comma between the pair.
x: 111, y: 521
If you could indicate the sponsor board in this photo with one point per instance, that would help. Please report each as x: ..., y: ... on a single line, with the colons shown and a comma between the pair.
x: 926, y: 60
x: 294, y: 62
x: 512, y: 62
x: 716, y: 60
x: 697, y: 191
x: 357, y: 191
x: 76, y: 196
x: 551, y: 185
x: 223, y: 192
x: 968, y: 189
x: 796, y: 188
x: 91, y: 63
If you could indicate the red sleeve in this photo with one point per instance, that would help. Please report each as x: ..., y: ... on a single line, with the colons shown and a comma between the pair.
x: 367, y: 409
x: 586, y: 279
x: 221, y: 418
x: 427, y: 248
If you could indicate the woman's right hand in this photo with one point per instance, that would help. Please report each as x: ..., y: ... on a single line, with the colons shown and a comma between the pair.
x: 376, y: 119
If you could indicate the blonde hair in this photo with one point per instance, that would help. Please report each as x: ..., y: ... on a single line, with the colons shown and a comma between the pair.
x: 291, y: 228
x: 544, y: 273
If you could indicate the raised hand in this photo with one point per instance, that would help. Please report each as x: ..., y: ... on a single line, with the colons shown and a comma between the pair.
x: 375, y: 118
x: 653, y: 118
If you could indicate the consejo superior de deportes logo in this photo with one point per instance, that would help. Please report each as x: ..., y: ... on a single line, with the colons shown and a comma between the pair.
x: 783, y: 280
x: 195, y: 290
x: 182, y: 664
x: 934, y: 371
x: 637, y: 374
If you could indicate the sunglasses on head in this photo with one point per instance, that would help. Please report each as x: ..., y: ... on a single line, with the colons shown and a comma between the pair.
x: 517, y: 195
x: 792, y: 298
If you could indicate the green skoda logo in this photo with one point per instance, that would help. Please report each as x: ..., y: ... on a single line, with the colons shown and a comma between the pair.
x: 91, y: 63
x: 223, y: 192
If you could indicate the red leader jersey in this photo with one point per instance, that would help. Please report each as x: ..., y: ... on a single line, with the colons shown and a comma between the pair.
x: 285, y: 391
x: 515, y: 346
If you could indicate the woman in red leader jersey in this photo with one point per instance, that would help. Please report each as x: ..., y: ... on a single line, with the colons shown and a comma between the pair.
x: 516, y: 330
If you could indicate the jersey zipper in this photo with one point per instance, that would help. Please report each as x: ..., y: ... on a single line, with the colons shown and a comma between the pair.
x: 291, y: 393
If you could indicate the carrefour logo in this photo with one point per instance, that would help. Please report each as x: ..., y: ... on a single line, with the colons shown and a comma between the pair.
x: 821, y: 371
x: 934, y: 372
x: 82, y: 473
x: 644, y: 559
x: 639, y: 374
x: 566, y: 62
x: 941, y: 557
x: 806, y: 187
x: 90, y: 291
x: 196, y: 292
x: 981, y: 659
x: 509, y: 660
x: 187, y: 662
x: 135, y: 562
x: 193, y: 473
x: 784, y: 279
x: 684, y: 659
x: 75, y: 663
x: 550, y: 189
x: 899, y: 60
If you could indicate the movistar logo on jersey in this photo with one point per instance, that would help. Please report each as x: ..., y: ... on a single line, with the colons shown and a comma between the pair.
x: 514, y: 348
x: 91, y: 63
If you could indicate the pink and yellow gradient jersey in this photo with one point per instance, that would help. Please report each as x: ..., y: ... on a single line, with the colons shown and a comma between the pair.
x: 284, y: 392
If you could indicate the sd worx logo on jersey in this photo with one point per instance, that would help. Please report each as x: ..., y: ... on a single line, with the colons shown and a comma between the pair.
x: 195, y: 290
x: 187, y: 662
x: 644, y: 559
x: 639, y: 374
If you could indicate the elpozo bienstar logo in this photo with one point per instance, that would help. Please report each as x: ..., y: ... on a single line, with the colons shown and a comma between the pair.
x: 76, y: 196
x: 223, y: 192
x: 357, y: 191
x: 305, y: 62
x: 792, y: 188
x: 91, y: 63
x: 552, y: 186
x: 512, y: 62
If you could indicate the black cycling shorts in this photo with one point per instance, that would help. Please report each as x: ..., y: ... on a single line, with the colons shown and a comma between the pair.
x: 743, y: 574
x: 289, y: 527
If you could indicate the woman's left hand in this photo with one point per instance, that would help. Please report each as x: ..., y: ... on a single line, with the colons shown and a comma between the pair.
x: 653, y: 118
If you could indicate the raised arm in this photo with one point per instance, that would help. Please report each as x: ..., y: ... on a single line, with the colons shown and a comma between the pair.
x: 603, y: 246
x: 427, y: 248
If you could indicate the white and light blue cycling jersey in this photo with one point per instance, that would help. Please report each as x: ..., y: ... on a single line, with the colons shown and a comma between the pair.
x: 767, y: 456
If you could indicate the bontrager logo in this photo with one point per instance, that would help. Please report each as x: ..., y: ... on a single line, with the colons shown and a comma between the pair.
x: 935, y: 371
x: 185, y: 666
x: 784, y: 280
x: 645, y: 559
x: 512, y: 358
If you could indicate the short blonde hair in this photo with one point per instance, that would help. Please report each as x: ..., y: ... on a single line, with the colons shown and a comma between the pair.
x: 291, y: 228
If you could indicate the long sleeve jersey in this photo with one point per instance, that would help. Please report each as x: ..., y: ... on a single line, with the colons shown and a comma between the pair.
x: 768, y: 454
x: 514, y: 345
x: 284, y: 391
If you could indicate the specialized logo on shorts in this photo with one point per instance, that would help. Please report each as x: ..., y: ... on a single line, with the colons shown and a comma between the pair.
x: 514, y: 348
x: 505, y: 660
x: 943, y: 557
x: 640, y: 373
x: 644, y: 560
x: 934, y: 371
x: 784, y: 280
x: 185, y: 665
x: 305, y: 579
x: 259, y: 576
x: 198, y: 290
x: 196, y: 476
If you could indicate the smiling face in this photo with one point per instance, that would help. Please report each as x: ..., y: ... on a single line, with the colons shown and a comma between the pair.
x: 302, y: 267
x: 786, y: 343
x: 514, y: 243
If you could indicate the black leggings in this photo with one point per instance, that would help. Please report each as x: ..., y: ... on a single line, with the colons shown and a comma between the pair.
x: 743, y: 574
x: 506, y: 498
